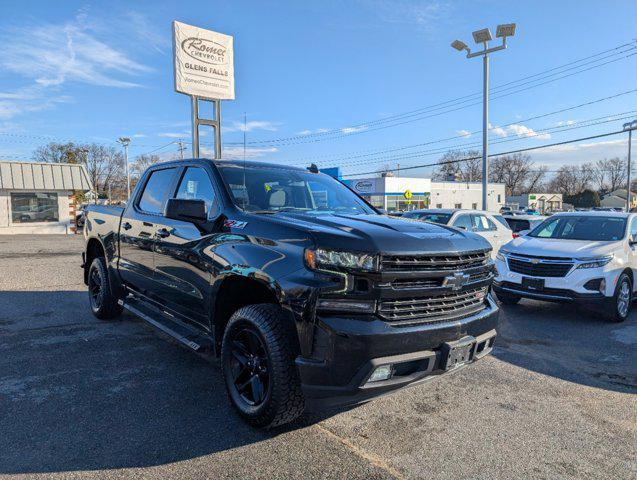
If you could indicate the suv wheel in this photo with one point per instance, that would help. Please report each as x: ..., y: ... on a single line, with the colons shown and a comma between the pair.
x: 103, y: 304
x: 508, y: 299
x: 258, y: 367
x: 622, y: 299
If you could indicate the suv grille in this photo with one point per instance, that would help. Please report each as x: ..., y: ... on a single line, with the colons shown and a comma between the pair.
x: 411, y: 263
x: 449, y: 306
x: 544, y: 268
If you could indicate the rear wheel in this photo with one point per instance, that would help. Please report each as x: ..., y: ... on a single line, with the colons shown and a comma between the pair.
x: 258, y: 367
x: 103, y: 303
x: 622, y: 300
x: 508, y: 299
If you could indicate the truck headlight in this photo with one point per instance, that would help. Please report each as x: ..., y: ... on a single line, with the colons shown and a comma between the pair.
x: 323, y: 258
x: 594, y: 262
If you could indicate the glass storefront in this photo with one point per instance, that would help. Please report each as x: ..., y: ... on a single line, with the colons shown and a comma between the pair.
x: 398, y: 203
x: 34, y: 207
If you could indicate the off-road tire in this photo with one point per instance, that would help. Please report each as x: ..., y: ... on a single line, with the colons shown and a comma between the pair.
x: 284, y: 400
x: 615, y: 313
x: 507, y: 299
x: 105, y: 307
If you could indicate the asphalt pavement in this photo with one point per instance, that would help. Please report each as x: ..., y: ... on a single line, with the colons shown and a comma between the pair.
x: 82, y: 398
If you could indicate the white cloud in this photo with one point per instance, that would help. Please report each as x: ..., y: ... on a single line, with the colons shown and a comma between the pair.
x: 310, y: 132
x: 349, y: 130
x: 252, y: 125
x: 578, y: 153
x: 139, y: 135
x: 235, y: 153
x: 463, y: 133
x: 518, y: 130
x: 428, y: 16
x: 54, y: 54
x: 565, y: 123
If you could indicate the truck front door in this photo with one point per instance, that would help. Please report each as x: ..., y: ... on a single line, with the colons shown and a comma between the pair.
x: 139, y: 226
x: 183, y: 268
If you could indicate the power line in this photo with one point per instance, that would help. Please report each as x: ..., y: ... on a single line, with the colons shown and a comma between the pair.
x: 456, y: 101
x: 361, y: 154
x: 537, y: 133
x: 510, y: 152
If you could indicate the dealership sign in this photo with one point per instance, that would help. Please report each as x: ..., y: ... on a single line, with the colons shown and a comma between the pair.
x: 204, y: 62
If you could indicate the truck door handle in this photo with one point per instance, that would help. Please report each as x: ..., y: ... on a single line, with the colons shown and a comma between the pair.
x: 163, y: 233
x: 126, y: 226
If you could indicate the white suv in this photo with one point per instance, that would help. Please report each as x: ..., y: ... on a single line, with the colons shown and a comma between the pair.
x: 586, y: 257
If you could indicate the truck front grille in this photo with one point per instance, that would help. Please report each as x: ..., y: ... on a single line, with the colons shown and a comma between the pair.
x: 538, y: 267
x: 432, y: 309
x: 447, y: 261
x: 436, y: 282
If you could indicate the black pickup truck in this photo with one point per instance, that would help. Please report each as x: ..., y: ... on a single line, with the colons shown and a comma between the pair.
x: 308, y: 295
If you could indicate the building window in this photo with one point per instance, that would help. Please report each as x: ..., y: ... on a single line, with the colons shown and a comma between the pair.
x: 438, y: 205
x: 34, y: 207
x: 499, y: 198
x: 475, y: 206
x: 458, y: 205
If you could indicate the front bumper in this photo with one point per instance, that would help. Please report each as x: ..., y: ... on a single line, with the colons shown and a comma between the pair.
x: 594, y: 299
x: 348, y: 349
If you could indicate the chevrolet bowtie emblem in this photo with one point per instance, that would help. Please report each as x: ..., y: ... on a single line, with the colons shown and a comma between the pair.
x: 456, y: 281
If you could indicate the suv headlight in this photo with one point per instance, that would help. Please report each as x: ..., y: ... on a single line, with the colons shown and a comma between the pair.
x: 594, y: 262
x: 501, y: 255
x: 322, y: 258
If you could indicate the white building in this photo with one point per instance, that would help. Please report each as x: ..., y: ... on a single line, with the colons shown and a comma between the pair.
x: 405, y: 193
x: 40, y: 197
x: 542, y: 202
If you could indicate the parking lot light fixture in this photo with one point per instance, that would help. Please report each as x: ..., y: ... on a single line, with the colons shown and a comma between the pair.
x: 484, y: 36
x: 125, y: 142
x: 630, y: 126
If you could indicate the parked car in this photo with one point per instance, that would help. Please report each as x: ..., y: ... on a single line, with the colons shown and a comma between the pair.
x: 308, y: 295
x: 485, y: 224
x: 521, y: 224
x: 580, y: 257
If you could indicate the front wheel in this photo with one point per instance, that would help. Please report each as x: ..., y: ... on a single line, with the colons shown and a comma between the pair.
x: 622, y: 300
x: 258, y: 367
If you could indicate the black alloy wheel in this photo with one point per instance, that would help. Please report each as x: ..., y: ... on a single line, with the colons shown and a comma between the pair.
x: 249, y: 366
x: 95, y: 288
x: 104, y: 304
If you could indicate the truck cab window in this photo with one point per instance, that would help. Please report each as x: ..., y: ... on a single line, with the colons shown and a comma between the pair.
x: 196, y: 184
x: 156, y: 191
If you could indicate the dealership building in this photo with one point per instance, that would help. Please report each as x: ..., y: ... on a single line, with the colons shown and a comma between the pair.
x: 405, y: 193
x: 40, y: 197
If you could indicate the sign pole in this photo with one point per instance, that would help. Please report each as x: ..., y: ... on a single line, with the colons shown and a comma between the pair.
x: 195, y: 126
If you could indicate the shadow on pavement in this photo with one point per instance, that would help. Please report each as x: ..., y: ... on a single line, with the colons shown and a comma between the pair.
x: 573, y: 344
x: 80, y: 394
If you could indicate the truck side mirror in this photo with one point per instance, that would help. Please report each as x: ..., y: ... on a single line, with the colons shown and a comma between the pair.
x: 186, y: 210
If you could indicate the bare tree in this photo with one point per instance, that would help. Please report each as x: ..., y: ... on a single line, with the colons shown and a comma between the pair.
x: 466, y: 166
x: 58, y: 153
x: 610, y: 174
x: 517, y: 172
x: 142, y: 162
x: 571, y: 179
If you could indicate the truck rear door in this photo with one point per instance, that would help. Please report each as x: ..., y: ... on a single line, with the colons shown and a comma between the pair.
x: 139, y: 227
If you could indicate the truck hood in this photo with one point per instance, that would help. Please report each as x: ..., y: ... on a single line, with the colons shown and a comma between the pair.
x: 383, y: 234
x: 551, y: 247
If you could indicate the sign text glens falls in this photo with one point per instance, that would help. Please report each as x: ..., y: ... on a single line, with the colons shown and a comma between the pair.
x: 204, y: 62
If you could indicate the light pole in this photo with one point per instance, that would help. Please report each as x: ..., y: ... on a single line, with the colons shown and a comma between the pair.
x: 630, y: 126
x: 484, y: 36
x: 125, y: 142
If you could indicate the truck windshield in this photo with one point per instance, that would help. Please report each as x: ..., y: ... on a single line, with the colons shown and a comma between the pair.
x: 591, y: 228
x: 273, y: 190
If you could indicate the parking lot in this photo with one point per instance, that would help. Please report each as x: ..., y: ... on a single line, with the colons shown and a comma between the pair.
x: 84, y: 398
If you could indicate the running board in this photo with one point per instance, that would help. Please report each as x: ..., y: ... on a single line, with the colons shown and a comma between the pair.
x: 184, y: 334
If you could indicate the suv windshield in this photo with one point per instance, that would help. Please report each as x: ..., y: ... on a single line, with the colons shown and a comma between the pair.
x: 582, y: 228
x: 272, y: 190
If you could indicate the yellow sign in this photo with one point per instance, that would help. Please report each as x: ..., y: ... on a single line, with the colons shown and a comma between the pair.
x: 408, y: 194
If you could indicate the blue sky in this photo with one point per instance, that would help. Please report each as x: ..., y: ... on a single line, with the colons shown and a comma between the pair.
x: 95, y: 71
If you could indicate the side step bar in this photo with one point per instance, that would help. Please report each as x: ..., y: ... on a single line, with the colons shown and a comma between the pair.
x: 181, y: 332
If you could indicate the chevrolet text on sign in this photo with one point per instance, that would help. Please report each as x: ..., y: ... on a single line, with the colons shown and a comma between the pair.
x: 204, y: 62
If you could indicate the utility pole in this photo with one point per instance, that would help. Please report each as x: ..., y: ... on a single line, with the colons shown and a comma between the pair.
x: 484, y: 36
x: 630, y: 126
x: 181, y: 149
x: 125, y: 142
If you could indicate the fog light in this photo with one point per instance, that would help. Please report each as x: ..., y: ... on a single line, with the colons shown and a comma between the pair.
x: 381, y: 373
x: 602, y: 286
